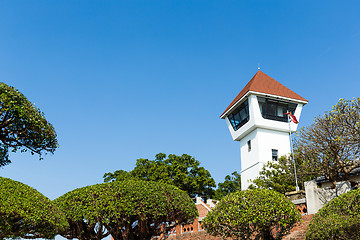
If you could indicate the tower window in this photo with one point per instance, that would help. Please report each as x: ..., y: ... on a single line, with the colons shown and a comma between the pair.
x: 275, y: 109
x: 239, y: 116
x: 274, y: 154
x: 249, y: 145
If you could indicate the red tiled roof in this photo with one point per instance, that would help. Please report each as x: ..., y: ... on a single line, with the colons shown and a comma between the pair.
x: 264, y: 84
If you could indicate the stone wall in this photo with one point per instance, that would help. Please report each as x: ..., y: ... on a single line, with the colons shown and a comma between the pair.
x: 317, y: 197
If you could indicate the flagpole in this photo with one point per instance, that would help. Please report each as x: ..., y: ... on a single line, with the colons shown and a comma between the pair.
x: 292, y: 153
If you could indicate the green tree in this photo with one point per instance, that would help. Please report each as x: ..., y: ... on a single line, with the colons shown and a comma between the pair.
x: 331, y: 145
x: 118, y: 175
x: 231, y: 184
x: 338, y: 219
x: 182, y: 171
x: 280, y: 176
x: 22, y: 126
x: 129, y: 209
x: 85, y: 212
x: 258, y: 213
x: 26, y: 213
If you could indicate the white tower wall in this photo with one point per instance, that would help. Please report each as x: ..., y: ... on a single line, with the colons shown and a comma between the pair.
x: 263, y: 141
x: 265, y: 131
x: 264, y: 134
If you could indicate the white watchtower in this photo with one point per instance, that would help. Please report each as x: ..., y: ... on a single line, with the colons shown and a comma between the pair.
x: 256, y: 119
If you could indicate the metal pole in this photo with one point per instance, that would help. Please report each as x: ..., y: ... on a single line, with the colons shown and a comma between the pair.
x: 292, y: 154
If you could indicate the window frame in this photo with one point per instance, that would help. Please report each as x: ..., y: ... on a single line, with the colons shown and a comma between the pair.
x: 270, y: 105
x: 240, y: 115
x: 274, y: 157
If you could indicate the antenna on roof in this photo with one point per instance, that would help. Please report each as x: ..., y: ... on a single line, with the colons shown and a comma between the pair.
x: 258, y: 66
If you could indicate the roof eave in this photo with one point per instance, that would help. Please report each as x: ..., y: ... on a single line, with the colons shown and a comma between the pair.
x: 223, y: 116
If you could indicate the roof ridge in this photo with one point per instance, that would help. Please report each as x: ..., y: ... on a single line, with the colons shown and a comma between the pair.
x: 250, y: 83
x: 263, y: 83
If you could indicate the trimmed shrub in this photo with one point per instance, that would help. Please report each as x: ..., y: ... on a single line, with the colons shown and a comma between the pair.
x: 338, y: 219
x: 26, y: 213
x: 257, y: 213
x: 129, y: 209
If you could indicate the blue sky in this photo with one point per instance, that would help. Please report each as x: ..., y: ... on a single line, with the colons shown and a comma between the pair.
x: 122, y: 80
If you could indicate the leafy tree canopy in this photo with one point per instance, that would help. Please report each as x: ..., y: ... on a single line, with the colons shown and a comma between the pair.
x: 231, y: 184
x: 338, y: 219
x: 22, y: 126
x: 84, y: 213
x: 280, y: 176
x: 129, y: 209
x: 182, y: 171
x: 26, y: 213
x: 331, y: 145
x: 118, y: 175
x: 252, y: 214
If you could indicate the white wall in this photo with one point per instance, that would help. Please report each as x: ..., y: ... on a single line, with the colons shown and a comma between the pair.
x: 270, y: 139
x: 265, y: 135
x: 317, y: 197
x: 250, y: 173
x: 249, y: 159
x: 262, y: 143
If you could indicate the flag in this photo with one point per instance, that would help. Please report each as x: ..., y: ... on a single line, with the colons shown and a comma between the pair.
x: 292, y: 118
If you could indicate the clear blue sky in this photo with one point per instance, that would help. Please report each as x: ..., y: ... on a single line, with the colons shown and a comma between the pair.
x: 122, y: 80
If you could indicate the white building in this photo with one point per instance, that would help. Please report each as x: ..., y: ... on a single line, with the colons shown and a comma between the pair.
x: 256, y: 119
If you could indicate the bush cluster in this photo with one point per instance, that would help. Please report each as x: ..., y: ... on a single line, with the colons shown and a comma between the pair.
x: 339, y: 219
x: 129, y: 209
x: 26, y: 213
x: 249, y: 214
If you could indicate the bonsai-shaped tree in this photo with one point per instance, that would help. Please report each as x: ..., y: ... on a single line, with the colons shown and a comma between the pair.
x: 22, y: 126
x: 258, y: 213
x: 26, y: 213
x: 129, y: 209
x: 338, y: 219
x: 84, y: 213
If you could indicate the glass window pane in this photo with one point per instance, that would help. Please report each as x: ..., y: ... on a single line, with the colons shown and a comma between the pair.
x: 274, y: 109
x: 282, y: 109
x: 243, y: 114
x: 292, y: 107
x: 239, y: 116
x: 261, y: 107
x: 274, y: 154
x: 249, y: 145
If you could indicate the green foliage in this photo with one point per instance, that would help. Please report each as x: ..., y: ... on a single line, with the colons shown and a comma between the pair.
x: 338, y: 219
x: 280, y: 176
x: 181, y: 171
x: 26, y: 213
x: 258, y: 213
x: 23, y: 126
x: 84, y: 212
x: 331, y: 145
x: 231, y: 184
x: 130, y: 209
x: 118, y: 175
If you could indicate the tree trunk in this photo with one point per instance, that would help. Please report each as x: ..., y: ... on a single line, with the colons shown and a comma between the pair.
x: 266, y: 235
